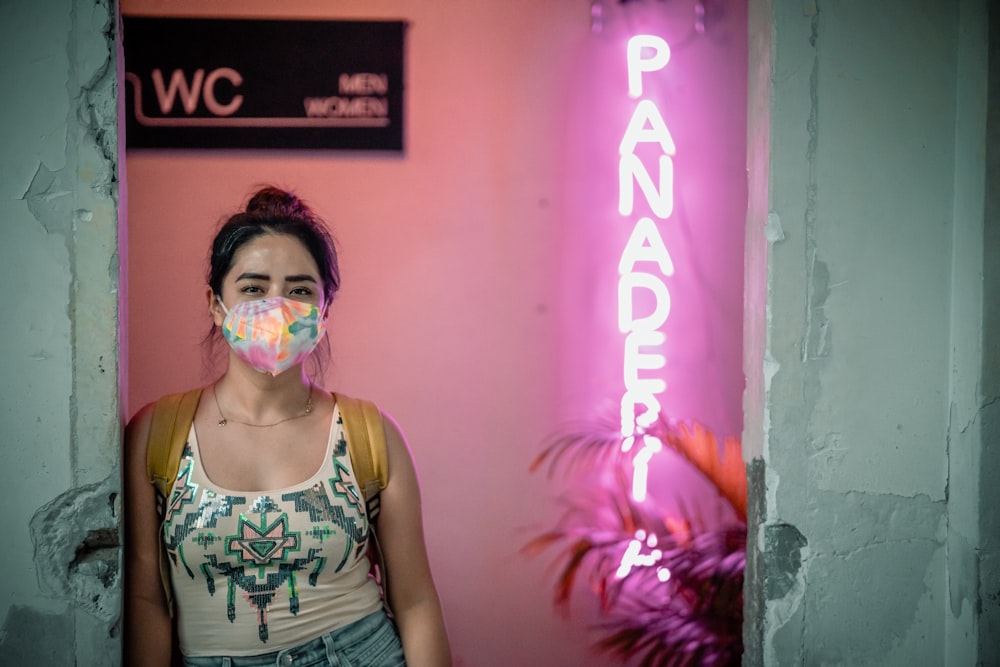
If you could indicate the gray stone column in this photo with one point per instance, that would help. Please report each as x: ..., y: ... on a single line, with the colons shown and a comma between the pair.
x: 59, y: 397
x: 864, y: 334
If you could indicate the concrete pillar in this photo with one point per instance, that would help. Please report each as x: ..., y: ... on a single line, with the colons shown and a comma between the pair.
x: 988, y: 562
x: 59, y: 408
x: 865, y: 329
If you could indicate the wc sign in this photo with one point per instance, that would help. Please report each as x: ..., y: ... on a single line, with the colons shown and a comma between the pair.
x: 237, y: 83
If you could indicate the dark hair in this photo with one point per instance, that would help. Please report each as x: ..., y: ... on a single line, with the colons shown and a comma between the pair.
x: 275, y: 211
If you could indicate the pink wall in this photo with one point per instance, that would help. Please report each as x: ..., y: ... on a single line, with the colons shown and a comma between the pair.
x: 478, y: 304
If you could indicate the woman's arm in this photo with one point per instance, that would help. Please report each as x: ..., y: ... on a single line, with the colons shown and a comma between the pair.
x: 412, y: 595
x: 148, y: 630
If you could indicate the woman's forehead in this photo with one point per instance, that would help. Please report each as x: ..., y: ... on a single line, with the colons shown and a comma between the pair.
x: 275, y: 252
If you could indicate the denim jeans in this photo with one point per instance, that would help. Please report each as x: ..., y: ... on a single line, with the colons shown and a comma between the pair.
x: 371, y: 642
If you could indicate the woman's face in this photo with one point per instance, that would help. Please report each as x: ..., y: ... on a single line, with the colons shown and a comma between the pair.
x: 270, y: 265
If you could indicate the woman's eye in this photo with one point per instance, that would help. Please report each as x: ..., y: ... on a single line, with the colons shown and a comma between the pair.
x: 302, y: 291
x: 251, y: 289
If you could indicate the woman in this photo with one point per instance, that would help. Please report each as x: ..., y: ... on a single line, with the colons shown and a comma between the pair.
x: 266, y: 550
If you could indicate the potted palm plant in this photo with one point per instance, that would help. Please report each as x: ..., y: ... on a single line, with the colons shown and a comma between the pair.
x: 681, y: 601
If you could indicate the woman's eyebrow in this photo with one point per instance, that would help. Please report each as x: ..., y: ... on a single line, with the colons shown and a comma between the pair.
x: 296, y: 278
x: 253, y: 276
x: 300, y: 278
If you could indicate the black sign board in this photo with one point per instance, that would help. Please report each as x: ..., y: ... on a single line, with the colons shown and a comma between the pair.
x: 236, y: 83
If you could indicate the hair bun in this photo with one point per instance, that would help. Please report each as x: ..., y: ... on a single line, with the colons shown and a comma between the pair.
x: 272, y: 210
x: 274, y: 202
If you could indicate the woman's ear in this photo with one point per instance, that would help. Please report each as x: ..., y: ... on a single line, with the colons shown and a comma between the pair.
x: 215, y: 310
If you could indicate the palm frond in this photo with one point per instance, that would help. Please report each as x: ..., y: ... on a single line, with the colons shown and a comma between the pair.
x: 581, y: 447
x: 695, y: 616
x: 699, y: 447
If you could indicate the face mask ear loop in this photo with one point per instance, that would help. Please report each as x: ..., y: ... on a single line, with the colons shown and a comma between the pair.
x: 224, y: 309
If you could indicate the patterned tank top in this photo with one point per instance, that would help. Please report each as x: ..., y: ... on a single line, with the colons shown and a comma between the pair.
x: 259, y: 571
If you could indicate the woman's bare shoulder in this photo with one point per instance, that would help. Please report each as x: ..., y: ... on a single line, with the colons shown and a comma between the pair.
x: 137, y: 429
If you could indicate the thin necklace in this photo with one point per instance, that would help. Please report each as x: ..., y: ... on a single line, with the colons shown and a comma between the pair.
x: 223, y: 420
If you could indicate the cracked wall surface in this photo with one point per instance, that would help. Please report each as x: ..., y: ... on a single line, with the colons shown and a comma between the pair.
x: 989, y: 416
x: 59, y: 409
x: 868, y: 225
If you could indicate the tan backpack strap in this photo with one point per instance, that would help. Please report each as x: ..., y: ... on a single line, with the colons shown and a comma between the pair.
x: 168, y: 433
x: 365, y: 433
x: 366, y: 441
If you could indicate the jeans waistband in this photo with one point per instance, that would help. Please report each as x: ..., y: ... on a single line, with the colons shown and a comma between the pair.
x: 304, y: 653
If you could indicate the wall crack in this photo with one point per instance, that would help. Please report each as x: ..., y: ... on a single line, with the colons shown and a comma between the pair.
x: 76, y: 544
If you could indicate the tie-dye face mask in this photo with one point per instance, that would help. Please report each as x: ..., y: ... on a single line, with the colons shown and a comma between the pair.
x: 272, y: 335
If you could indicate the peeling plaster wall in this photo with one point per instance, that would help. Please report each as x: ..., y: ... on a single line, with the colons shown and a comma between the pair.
x: 864, y: 396
x: 59, y: 414
x: 989, y: 414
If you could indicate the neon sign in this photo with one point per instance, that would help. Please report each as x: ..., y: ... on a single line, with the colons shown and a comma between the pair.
x: 645, y: 264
